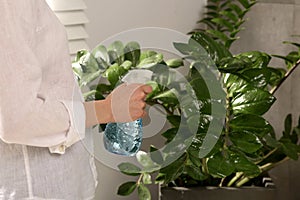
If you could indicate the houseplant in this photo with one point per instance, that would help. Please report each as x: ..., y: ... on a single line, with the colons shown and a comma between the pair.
x: 247, y: 147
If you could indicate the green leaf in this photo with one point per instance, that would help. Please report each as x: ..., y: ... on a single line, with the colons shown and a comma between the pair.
x: 258, y: 77
x: 220, y: 166
x: 292, y: 58
x: 246, y: 141
x: 170, y: 134
x: 143, y: 192
x: 145, y: 160
x: 127, y: 188
x: 114, y: 74
x: 156, y: 155
x: 215, y: 50
x: 172, y: 171
x: 289, y: 148
x: 251, y: 123
x: 277, y: 75
x: 230, y: 15
x: 174, y: 120
x: 256, y: 59
x: 236, y: 9
x: 147, y: 179
x: 151, y: 61
x: 116, y: 52
x: 155, y: 89
x: 255, y: 101
x: 218, y: 34
x: 242, y: 164
x: 224, y: 23
x: 101, y: 54
x: 236, y: 84
x: 169, y: 97
x: 129, y: 169
x: 89, y: 64
x: 245, y: 3
x: 232, y: 65
x: 147, y: 54
x: 195, y: 172
x: 89, y: 77
x: 288, y: 125
x: 292, y: 43
x: 175, y: 62
x: 132, y: 52
x: 126, y: 64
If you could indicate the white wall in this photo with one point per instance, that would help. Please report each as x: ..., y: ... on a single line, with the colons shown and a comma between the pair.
x: 114, y: 16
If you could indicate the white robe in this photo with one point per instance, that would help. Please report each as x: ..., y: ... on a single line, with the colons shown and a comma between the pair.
x: 44, y: 150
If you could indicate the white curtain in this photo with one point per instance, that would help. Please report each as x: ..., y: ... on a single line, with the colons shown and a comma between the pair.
x: 71, y: 14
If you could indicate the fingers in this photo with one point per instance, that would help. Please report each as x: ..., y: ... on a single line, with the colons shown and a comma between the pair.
x: 147, y: 89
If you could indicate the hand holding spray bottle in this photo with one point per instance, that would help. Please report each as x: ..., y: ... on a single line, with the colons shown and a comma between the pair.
x: 126, y: 138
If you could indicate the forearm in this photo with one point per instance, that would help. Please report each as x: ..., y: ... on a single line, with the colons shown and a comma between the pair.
x: 97, y: 112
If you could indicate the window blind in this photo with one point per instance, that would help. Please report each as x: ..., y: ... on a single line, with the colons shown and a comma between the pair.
x: 72, y: 16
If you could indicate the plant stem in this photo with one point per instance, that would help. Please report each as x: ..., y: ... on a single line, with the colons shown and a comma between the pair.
x: 235, y: 178
x: 140, y: 179
x: 204, y: 166
x: 221, y: 183
x: 274, y: 89
x: 227, y: 119
x: 266, y: 156
x: 243, y: 181
x: 269, y: 166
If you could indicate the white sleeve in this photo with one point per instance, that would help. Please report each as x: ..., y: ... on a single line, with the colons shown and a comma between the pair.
x: 27, y: 117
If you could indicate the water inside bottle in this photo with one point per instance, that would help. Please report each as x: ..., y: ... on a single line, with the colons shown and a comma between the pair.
x: 123, y: 138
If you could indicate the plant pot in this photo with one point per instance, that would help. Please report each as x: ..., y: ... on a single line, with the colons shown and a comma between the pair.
x: 217, y: 193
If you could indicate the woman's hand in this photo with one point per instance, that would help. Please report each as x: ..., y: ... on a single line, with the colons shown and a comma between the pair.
x: 127, y: 102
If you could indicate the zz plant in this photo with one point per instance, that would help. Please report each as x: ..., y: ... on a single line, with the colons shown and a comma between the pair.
x: 247, y: 147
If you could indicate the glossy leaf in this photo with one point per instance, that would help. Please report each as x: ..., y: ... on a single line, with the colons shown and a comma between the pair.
x: 195, y: 172
x: 251, y: 123
x: 143, y: 192
x: 236, y: 84
x: 276, y: 75
x: 129, y: 169
x: 127, y: 188
x: 114, y: 73
x: 242, y: 164
x: 132, y: 52
x: 246, y: 141
x: 220, y: 166
x: 100, y: 53
x: 169, y: 97
x: 256, y: 58
x: 150, y: 61
x: 215, y: 50
x: 255, y: 101
x: 258, y: 77
x: 116, y: 52
x: 175, y: 62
